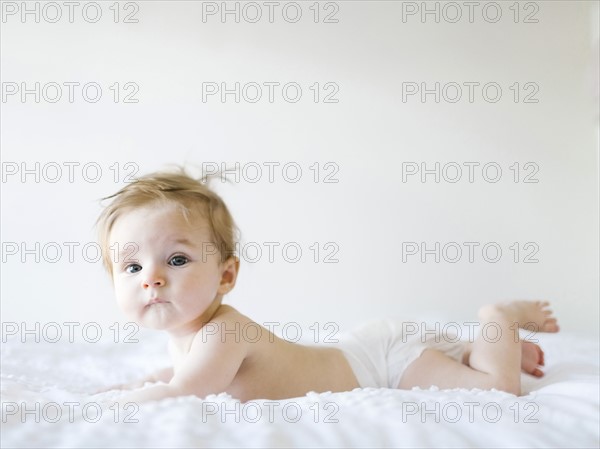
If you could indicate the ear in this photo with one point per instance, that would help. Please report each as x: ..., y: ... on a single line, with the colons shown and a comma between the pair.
x: 229, y: 272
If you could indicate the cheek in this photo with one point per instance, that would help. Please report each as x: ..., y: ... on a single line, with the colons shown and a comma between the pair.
x: 208, y: 283
x: 196, y: 290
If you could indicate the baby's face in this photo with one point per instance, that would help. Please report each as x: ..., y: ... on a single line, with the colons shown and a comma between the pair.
x: 167, y: 273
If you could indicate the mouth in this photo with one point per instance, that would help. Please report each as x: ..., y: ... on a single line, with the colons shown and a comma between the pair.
x: 156, y: 301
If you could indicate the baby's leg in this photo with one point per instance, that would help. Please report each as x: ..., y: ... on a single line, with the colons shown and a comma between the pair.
x: 494, y: 362
x: 532, y: 357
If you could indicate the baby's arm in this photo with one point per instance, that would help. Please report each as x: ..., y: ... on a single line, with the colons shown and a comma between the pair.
x: 209, y: 368
x: 163, y: 375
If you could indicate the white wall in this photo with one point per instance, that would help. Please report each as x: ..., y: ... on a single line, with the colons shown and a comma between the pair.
x: 369, y: 133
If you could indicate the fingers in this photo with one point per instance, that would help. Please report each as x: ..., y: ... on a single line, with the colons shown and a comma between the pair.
x: 110, y: 388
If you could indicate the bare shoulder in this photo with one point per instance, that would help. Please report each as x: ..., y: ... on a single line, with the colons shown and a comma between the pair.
x: 230, y: 315
x: 227, y: 325
x: 226, y: 312
x: 214, y: 356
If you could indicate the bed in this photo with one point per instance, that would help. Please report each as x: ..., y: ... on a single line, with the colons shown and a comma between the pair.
x: 559, y: 410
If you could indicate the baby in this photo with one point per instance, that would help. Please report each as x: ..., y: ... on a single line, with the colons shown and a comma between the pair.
x: 169, y: 246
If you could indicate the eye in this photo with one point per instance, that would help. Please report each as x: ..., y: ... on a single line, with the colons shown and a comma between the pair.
x: 178, y: 261
x: 133, y: 268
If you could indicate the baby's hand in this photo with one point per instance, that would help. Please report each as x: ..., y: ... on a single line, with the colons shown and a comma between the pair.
x: 112, y: 387
x: 121, y: 386
x: 163, y: 375
x: 105, y: 398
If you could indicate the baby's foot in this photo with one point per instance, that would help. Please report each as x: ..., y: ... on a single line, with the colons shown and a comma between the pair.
x: 529, y: 315
x: 532, y: 356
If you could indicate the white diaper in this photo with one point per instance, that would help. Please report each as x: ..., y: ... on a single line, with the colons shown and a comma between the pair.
x: 378, y: 352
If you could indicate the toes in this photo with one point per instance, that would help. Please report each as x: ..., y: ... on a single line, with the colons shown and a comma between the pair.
x: 533, y: 370
x: 539, y: 351
x: 550, y: 325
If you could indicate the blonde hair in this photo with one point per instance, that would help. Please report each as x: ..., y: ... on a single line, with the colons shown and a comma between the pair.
x: 189, y: 194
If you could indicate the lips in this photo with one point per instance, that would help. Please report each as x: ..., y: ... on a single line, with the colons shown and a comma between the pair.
x: 156, y: 301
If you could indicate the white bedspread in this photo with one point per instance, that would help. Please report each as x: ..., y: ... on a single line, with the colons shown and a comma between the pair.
x: 561, y: 409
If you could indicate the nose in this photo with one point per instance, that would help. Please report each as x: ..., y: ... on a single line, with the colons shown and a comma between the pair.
x: 153, y: 279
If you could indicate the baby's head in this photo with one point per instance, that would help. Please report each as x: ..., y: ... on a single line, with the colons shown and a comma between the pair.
x: 169, y: 243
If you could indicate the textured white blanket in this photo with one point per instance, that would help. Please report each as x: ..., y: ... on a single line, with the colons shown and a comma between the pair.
x: 47, y: 401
